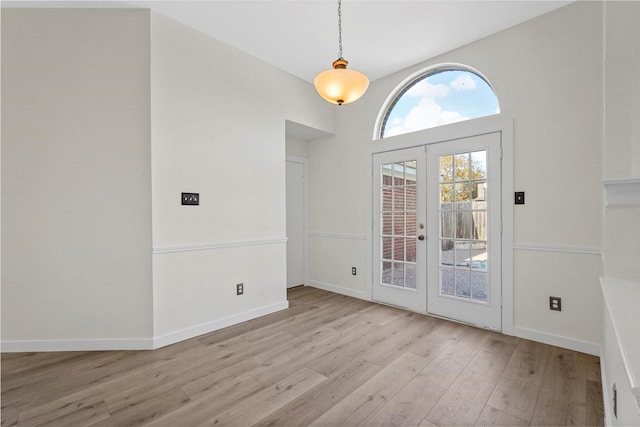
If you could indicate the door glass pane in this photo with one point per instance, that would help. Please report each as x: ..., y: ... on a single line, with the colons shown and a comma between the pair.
x: 398, y: 224
x: 479, y: 165
x: 462, y: 254
x: 446, y: 196
x: 387, y: 248
x: 410, y: 198
x: 386, y: 272
x: 398, y: 217
x: 410, y: 223
x: 461, y: 192
x: 447, y: 224
x: 479, y: 225
x: 410, y: 276
x: 446, y: 168
x: 446, y: 281
x: 461, y: 167
x: 479, y: 192
x: 387, y: 224
x: 398, y: 249
x: 387, y: 174
x: 410, y: 172
x: 398, y: 199
x: 387, y: 200
x: 411, y: 250
x: 398, y: 274
x: 463, y: 285
x: 463, y: 226
x: 398, y: 177
x: 447, y: 252
x: 479, y: 286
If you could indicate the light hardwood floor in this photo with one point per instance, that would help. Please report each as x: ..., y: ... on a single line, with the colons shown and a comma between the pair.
x: 329, y: 360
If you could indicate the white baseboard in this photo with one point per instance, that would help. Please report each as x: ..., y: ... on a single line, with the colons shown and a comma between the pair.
x: 29, y: 346
x: 557, y: 340
x: 608, y: 410
x: 205, y: 328
x: 338, y: 289
x: 530, y: 334
x: 32, y: 346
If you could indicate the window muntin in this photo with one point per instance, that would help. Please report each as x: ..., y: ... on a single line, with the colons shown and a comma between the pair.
x: 440, y: 97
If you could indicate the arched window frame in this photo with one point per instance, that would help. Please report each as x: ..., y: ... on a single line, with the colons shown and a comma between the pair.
x: 414, y: 78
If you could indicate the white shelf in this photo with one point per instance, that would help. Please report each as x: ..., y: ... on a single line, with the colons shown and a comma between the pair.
x: 621, y: 192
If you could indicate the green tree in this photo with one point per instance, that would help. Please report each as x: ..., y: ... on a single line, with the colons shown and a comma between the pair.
x: 457, y: 175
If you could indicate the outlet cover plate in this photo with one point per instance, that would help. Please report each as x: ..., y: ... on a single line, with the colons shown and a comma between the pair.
x: 555, y: 303
x: 190, y: 199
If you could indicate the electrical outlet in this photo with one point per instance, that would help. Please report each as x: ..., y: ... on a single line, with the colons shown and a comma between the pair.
x: 240, y: 289
x: 555, y: 303
x: 192, y: 199
x: 353, y: 271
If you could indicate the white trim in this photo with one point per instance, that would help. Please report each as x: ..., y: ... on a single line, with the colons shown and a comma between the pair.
x: 218, y: 245
x: 620, y: 297
x: 305, y: 202
x: 506, y: 185
x: 337, y: 235
x: 214, y: 325
x: 557, y: 340
x: 621, y: 193
x: 339, y: 290
x: 555, y: 248
x: 139, y: 343
x: 608, y: 410
x: 77, y: 345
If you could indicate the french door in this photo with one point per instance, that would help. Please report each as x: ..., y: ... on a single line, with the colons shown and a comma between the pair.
x: 437, y: 229
x: 399, y: 249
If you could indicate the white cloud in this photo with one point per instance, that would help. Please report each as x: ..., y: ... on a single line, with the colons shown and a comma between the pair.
x: 424, y: 89
x: 463, y: 82
x: 426, y: 114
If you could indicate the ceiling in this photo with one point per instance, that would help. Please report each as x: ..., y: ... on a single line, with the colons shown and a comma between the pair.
x: 301, y: 36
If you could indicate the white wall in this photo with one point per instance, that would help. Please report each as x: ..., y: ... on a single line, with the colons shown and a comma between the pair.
x: 218, y: 129
x: 622, y: 135
x: 547, y: 74
x: 621, y: 226
x: 296, y: 147
x: 108, y: 115
x: 76, y: 179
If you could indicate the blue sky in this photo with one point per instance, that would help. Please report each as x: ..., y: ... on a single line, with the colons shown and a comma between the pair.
x: 441, y: 98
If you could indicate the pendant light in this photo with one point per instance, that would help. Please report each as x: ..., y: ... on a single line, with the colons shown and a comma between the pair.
x: 339, y: 85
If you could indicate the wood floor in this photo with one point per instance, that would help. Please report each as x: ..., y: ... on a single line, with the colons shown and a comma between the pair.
x: 329, y: 360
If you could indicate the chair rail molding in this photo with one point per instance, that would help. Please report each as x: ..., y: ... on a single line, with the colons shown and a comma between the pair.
x: 619, y: 193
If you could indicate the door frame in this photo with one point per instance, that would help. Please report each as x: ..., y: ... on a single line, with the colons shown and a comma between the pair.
x: 305, y: 222
x: 490, y: 124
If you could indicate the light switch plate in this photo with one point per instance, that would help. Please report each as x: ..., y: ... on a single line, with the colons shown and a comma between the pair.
x: 192, y: 199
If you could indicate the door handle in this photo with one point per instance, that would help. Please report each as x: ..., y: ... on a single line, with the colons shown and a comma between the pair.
x: 421, y: 237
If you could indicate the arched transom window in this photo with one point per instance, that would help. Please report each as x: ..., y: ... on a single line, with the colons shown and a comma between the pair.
x: 438, y: 97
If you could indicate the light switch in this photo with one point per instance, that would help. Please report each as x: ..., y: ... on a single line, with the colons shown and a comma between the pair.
x: 191, y: 199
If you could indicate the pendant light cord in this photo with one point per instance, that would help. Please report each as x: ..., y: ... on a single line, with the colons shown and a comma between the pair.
x: 340, y: 28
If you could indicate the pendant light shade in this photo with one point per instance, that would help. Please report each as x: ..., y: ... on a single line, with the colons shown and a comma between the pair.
x: 339, y: 85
